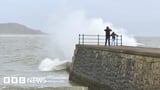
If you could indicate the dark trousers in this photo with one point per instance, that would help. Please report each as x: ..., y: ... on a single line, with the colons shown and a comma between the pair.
x: 107, y: 40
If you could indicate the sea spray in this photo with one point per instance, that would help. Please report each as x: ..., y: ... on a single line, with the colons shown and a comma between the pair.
x: 53, y: 65
x: 64, y: 28
x: 97, y: 26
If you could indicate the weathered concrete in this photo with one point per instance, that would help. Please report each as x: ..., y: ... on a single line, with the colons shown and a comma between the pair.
x: 116, y: 68
x: 45, y: 88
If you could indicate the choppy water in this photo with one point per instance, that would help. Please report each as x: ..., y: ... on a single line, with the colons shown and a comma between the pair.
x: 153, y: 42
x: 20, y: 56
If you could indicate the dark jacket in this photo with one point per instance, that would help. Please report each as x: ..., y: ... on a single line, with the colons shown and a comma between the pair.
x: 114, y: 35
x: 108, y: 30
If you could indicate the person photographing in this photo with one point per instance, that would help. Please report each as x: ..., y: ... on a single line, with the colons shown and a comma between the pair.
x: 107, y: 39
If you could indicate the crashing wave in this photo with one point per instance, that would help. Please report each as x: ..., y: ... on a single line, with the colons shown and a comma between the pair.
x: 54, y: 65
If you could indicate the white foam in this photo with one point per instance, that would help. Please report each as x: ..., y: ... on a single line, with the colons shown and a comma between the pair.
x: 52, y: 65
x: 64, y: 29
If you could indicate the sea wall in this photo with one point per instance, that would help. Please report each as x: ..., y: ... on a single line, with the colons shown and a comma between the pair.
x: 45, y: 88
x: 116, y: 67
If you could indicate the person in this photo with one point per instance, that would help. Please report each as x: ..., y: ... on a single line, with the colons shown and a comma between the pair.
x: 107, y: 30
x: 113, y: 37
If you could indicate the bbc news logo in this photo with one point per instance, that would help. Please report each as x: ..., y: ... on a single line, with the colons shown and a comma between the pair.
x: 24, y: 80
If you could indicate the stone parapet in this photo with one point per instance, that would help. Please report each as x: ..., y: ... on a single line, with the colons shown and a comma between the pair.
x: 116, y: 68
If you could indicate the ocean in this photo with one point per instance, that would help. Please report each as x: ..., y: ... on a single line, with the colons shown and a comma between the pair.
x: 29, y: 62
x: 151, y: 42
x: 29, y: 57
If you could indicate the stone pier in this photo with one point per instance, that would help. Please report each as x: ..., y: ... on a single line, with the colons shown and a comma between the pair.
x: 116, y: 67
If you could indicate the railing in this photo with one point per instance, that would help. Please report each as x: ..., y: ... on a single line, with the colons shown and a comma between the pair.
x: 98, y: 40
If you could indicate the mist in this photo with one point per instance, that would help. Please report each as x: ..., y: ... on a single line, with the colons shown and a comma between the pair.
x: 64, y: 25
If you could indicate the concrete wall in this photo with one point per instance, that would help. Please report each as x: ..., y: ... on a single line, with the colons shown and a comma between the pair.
x: 45, y: 88
x: 116, y: 68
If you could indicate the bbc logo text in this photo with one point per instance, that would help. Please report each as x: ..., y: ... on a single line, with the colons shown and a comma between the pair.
x: 24, y: 80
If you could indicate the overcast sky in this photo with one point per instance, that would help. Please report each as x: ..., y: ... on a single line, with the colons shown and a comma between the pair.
x: 139, y: 17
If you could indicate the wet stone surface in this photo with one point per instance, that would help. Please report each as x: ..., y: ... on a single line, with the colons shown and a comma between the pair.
x: 101, y: 69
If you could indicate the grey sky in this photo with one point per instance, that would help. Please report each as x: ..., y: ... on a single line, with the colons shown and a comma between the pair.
x: 139, y: 17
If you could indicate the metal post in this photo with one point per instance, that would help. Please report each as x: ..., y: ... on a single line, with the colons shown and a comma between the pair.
x: 121, y: 40
x: 98, y: 39
x: 83, y: 39
x: 79, y: 39
x: 117, y: 40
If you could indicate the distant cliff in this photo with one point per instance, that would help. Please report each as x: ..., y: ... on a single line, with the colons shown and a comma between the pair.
x: 15, y: 28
